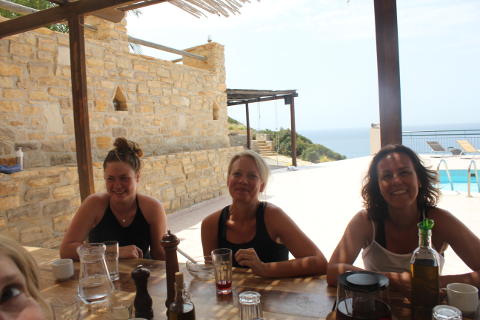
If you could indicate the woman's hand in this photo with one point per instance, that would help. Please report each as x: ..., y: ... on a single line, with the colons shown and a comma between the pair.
x: 400, y: 281
x: 248, y: 258
x: 130, y: 252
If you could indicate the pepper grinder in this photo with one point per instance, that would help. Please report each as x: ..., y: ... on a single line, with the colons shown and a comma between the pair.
x: 143, y: 301
x: 169, y: 243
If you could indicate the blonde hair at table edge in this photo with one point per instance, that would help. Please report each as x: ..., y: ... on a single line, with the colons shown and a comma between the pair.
x: 27, y: 266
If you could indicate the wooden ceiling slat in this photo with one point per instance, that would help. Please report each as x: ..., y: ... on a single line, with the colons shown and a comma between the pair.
x: 57, y: 14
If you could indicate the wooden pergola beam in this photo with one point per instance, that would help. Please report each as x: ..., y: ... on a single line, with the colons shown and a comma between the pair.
x: 80, y: 106
x: 252, y: 100
x: 390, y: 105
x: 57, y: 14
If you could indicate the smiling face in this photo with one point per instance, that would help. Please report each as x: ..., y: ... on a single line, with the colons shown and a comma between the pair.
x: 244, y: 182
x: 398, y: 181
x: 121, y: 181
x: 15, y: 300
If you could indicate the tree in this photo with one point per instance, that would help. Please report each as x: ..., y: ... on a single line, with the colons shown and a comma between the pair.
x: 35, y: 4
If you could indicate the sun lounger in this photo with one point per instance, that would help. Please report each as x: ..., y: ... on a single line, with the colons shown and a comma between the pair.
x: 467, y: 147
x: 437, y: 147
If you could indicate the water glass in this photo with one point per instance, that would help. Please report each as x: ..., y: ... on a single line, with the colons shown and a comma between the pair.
x: 222, y: 260
x: 250, y: 306
x: 66, y: 308
x: 111, y: 257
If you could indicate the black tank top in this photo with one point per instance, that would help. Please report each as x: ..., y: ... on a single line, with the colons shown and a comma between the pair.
x: 267, y: 249
x: 137, y: 233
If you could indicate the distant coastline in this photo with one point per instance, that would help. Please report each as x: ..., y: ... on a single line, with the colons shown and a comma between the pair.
x: 355, y: 142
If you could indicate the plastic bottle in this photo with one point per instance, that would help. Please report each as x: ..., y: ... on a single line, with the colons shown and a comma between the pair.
x: 19, y: 156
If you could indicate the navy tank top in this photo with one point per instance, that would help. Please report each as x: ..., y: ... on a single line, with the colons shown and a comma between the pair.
x: 109, y: 229
x: 267, y: 249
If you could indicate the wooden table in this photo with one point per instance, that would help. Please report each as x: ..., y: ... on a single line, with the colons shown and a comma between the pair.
x: 282, y: 299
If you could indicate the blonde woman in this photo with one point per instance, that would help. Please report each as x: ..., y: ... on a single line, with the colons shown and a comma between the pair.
x: 260, y: 234
x: 19, y: 291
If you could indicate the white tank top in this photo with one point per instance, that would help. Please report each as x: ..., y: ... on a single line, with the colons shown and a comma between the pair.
x: 378, y: 259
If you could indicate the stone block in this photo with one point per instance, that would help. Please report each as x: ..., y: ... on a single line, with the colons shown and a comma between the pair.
x: 47, y: 44
x: 61, y: 223
x: 37, y: 95
x: 63, y: 192
x: 39, y: 70
x: 7, y: 82
x: 21, y: 49
x: 119, y: 132
x: 13, y: 93
x: 43, y: 181
x: 101, y: 105
x: 37, y: 194
x: 111, y: 121
x: 56, y: 208
x: 63, y: 55
x: 9, y: 106
x: 9, y: 202
x: 104, y: 142
x: 8, y: 187
x: 32, y: 235
x: 22, y: 213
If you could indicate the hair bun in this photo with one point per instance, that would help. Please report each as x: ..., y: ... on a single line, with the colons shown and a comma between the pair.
x: 127, y: 146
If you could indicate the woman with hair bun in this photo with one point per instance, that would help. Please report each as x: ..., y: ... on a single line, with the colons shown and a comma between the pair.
x: 135, y: 220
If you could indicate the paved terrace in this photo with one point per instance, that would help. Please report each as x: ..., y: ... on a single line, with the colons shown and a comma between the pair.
x: 321, y: 199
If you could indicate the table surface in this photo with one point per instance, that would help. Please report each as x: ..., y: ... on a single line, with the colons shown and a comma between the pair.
x: 282, y: 299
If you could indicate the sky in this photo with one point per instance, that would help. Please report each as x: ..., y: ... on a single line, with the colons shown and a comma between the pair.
x: 325, y: 49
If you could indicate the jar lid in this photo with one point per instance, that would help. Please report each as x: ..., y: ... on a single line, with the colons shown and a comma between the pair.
x: 445, y: 312
x: 363, y: 281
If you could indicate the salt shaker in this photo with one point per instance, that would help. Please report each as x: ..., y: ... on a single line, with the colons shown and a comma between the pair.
x: 143, y: 301
x: 169, y: 243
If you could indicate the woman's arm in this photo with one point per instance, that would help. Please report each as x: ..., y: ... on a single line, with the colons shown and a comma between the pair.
x: 87, y: 215
x: 157, y: 220
x: 209, y: 233
x: 309, y: 260
x: 448, y: 229
x: 357, y: 234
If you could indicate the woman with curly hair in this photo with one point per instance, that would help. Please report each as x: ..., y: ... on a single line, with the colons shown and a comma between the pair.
x: 398, y: 192
x: 135, y: 220
x: 19, y: 293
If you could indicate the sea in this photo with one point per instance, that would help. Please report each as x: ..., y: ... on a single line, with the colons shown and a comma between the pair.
x: 355, y: 142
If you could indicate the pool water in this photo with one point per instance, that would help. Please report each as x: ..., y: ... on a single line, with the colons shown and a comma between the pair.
x: 459, y: 179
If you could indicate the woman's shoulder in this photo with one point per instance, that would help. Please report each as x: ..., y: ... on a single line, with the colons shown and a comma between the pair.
x: 150, y: 206
x: 211, y: 221
x: 97, y: 200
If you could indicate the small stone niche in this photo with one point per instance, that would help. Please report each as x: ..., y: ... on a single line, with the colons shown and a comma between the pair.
x: 215, y: 110
x: 119, y: 100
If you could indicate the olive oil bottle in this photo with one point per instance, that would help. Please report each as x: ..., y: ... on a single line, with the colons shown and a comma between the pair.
x: 181, y: 308
x: 425, y: 273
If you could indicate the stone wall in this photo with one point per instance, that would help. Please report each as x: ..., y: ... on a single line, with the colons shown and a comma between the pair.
x: 36, y: 205
x: 165, y: 107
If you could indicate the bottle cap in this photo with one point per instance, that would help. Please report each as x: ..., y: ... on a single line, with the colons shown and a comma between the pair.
x: 426, y: 224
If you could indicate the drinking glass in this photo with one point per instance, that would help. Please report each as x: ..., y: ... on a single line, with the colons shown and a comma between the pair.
x: 222, y: 260
x: 94, y: 285
x: 444, y: 312
x: 111, y: 257
x: 250, y: 307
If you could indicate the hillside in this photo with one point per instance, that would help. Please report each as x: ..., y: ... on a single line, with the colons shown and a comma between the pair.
x: 306, y: 149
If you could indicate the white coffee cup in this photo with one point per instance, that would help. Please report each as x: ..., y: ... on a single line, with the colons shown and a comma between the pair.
x: 463, y: 296
x: 62, y: 269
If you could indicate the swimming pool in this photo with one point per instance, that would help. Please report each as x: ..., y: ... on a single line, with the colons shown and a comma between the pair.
x: 459, y: 179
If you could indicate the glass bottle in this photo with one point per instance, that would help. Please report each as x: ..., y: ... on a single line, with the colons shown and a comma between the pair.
x: 425, y: 273
x: 181, y: 308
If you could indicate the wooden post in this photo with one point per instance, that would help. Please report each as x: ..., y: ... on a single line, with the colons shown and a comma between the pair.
x: 388, y: 72
x: 248, y: 126
x: 293, y: 131
x: 80, y: 105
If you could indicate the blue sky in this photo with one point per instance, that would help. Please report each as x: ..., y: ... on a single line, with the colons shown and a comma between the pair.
x: 326, y: 50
